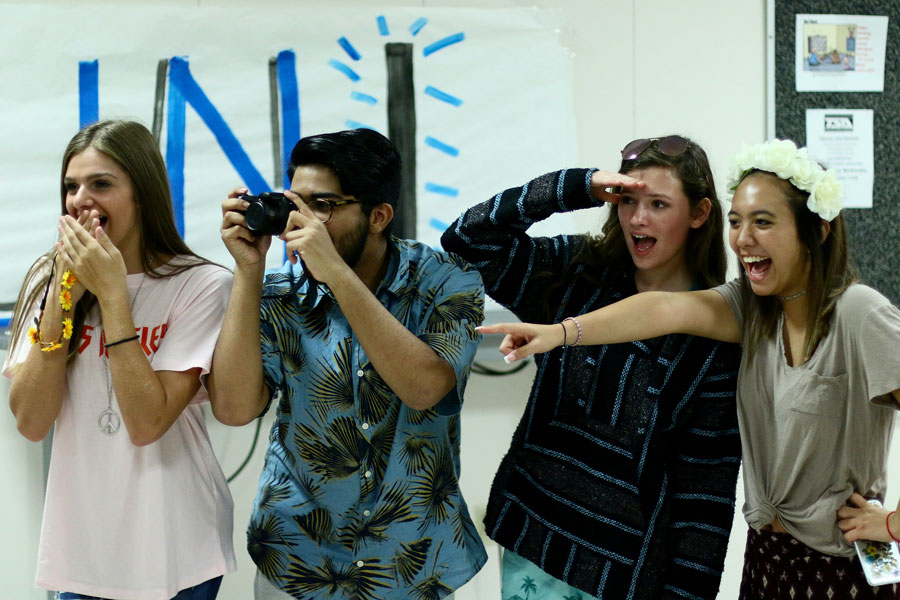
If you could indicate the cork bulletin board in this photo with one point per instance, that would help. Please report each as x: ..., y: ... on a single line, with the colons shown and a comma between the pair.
x: 874, y: 232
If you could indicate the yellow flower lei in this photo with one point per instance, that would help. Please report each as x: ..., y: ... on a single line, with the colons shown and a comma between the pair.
x: 65, y: 302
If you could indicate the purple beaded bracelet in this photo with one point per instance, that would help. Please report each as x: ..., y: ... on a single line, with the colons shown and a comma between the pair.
x: 577, y: 328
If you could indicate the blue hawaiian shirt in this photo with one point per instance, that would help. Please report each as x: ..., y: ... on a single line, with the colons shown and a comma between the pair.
x: 359, y: 496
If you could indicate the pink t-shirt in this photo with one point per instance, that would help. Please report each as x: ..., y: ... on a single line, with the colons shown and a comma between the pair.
x: 129, y: 522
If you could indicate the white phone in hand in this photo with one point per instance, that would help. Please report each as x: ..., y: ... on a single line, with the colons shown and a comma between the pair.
x: 880, y: 560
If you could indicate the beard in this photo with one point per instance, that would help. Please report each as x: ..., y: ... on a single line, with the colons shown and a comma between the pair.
x: 352, y: 243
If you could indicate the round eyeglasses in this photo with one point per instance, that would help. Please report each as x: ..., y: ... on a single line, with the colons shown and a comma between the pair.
x: 322, y: 209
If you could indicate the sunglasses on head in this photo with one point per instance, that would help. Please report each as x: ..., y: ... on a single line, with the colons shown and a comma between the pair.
x: 671, y: 145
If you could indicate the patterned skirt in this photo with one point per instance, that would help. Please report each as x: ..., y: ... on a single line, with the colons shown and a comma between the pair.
x: 778, y: 567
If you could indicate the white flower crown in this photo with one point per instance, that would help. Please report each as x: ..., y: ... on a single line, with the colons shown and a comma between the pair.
x: 784, y: 159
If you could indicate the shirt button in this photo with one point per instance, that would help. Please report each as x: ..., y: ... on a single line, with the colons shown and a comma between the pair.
x: 360, y: 373
x: 360, y: 563
x: 368, y: 474
x: 367, y: 512
x: 365, y: 426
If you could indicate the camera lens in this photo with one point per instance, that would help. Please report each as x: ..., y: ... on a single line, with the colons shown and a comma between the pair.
x: 268, y: 213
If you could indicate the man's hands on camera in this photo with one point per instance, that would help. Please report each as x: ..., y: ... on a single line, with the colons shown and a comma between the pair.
x: 248, y: 250
x: 307, y: 237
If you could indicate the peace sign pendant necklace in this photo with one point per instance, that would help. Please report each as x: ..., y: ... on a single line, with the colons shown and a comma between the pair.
x: 109, y: 420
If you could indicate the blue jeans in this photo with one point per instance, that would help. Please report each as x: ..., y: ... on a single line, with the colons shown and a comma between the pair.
x: 207, y: 590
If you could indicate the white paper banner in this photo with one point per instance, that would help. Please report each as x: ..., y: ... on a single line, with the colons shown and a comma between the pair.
x: 492, y: 94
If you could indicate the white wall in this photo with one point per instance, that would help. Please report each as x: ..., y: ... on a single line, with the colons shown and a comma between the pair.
x: 21, y: 499
x: 641, y: 68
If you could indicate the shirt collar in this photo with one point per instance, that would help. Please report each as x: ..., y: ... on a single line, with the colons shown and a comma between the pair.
x: 399, y: 259
x: 398, y: 273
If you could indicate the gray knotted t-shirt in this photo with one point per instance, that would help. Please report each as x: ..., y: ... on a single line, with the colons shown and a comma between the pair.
x: 814, y: 433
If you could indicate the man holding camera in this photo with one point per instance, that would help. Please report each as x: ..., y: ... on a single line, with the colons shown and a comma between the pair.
x: 365, y: 341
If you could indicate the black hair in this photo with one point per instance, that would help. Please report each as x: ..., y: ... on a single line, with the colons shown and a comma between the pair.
x: 366, y: 163
x: 831, y: 272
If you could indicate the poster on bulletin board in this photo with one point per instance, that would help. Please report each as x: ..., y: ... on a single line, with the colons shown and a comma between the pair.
x: 840, y: 53
x: 842, y: 139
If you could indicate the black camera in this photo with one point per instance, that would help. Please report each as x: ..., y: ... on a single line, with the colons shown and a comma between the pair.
x: 267, y: 213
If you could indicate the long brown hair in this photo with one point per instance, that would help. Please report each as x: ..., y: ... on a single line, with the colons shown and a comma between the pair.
x: 831, y: 272
x: 133, y: 148
x: 705, y: 249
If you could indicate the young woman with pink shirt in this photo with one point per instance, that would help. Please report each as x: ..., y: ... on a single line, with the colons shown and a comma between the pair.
x: 122, y: 319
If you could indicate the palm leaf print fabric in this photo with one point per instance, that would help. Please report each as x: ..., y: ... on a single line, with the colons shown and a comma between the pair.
x: 359, y: 496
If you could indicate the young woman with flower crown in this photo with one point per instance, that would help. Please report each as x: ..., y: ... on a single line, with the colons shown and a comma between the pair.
x: 122, y: 318
x: 819, y: 379
x: 620, y: 479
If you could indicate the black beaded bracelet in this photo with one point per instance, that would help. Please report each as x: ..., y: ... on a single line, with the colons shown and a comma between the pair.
x: 128, y: 339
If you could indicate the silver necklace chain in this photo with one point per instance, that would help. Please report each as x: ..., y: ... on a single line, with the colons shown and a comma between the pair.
x: 109, y: 420
x: 792, y: 297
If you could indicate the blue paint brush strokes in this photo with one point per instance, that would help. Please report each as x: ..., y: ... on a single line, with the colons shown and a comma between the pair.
x: 290, y: 107
x: 439, y: 145
x: 351, y: 124
x: 349, y: 49
x: 370, y: 100
x: 443, y: 190
x: 440, y: 44
x: 382, y: 25
x: 439, y: 225
x: 286, y: 67
x: 416, y: 27
x: 88, y: 92
x: 442, y: 96
x: 344, y: 69
x: 175, y: 128
x: 180, y: 78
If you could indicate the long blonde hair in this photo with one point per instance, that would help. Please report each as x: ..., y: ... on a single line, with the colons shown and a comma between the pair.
x: 133, y: 148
